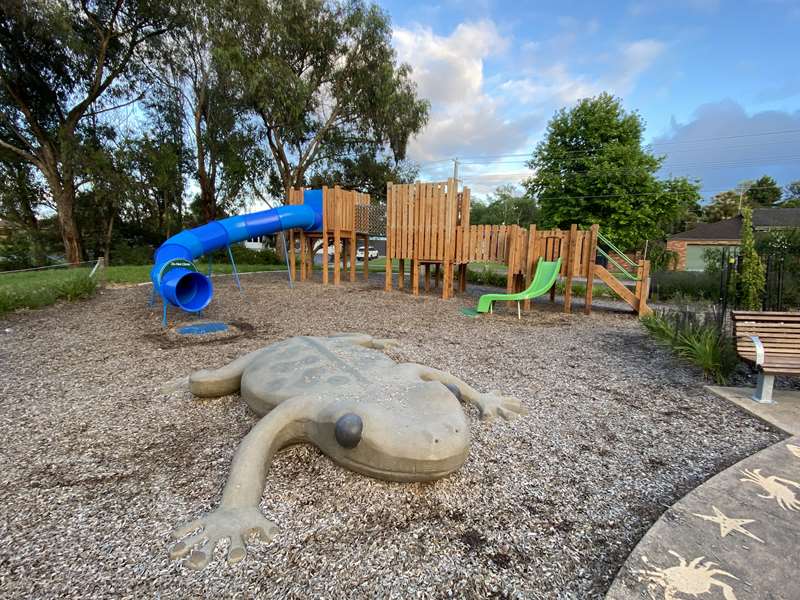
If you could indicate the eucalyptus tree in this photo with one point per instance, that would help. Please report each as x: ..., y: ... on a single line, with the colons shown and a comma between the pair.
x: 61, y: 61
x: 322, y: 78
x: 222, y: 137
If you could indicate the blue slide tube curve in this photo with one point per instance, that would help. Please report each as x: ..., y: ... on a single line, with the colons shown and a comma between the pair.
x: 192, y: 291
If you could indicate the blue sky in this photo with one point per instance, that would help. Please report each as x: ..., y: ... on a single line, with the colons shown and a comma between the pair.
x: 716, y: 82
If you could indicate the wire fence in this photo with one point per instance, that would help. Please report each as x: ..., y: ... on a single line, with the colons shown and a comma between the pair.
x: 56, y: 266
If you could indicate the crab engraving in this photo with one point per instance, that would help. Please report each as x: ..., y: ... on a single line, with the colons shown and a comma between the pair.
x: 687, y: 579
x: 777, y: 488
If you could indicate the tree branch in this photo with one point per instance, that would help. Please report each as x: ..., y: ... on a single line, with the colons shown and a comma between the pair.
x: 19, y: 151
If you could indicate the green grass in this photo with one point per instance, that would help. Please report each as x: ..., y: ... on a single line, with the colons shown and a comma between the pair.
x: 35, y: 289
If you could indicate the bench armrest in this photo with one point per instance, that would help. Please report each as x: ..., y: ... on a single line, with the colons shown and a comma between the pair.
x: 759, y: 350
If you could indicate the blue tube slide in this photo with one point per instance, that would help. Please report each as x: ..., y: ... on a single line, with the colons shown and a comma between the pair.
x: 192, y: 291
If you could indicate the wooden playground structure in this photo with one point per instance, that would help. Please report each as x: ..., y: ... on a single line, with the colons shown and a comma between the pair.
x: 427, y: 225
x: 427, y: 228
x: 345, y: 220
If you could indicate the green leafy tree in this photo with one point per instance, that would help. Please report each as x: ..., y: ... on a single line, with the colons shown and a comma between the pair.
x: 322, y: 78
x: 724, y: 205
x: 59, y: 60
x: 366, y: 172
x: 195, y: 86
x: 752, y: 276
x: 505, y: 207
x: 763, y: 193
x: 685, y: 195
x: 591, y: 168
x: 791, y: 195
x: 21, y: 198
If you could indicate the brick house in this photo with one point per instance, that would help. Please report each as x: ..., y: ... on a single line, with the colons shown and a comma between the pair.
x: 690, y: 245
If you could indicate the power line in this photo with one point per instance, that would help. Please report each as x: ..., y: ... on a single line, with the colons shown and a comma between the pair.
x: 650, y: 145
x: 527, y: 157
x: 640, y: 194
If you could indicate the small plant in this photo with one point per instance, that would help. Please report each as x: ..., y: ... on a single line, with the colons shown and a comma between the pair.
x: 695, y: 339
x: 487, y: 276
x: 76, y: 288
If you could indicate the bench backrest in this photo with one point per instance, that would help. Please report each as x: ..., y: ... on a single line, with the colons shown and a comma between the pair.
x: 779, y: 333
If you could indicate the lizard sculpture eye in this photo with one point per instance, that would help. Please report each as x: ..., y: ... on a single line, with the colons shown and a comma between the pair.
x: 348, y: 430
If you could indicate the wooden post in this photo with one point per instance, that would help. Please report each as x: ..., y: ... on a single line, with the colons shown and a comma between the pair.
x: 353, y: 255
x: 366, y: 258
x: 530, y: 262
x: 571, y: 247
x: 302, y: 255
x: 337, y: 239
x: 416, y: 239
x: 390, y: 208
x: 427, y: 277
x: 437, y: 275
x: 592, y: 241
x: 291, y: 251
x: 512, y: 256
x: 462, y: 278
x: 325, y: 193
x: 642, y: 287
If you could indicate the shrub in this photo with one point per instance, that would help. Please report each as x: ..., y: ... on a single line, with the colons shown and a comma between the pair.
x: 662, y: 259
x: 247, y: 256
x: 695, y: 339
x: 124, y: 254
x: 486, y: 276
x: 684, y: 285
x: 751, y: 279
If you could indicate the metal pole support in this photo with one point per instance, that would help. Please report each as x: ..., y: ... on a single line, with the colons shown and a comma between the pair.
x: 235, y: 272
x: 286, y: 256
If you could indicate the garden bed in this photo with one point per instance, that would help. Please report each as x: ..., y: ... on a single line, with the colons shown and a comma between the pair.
x: 99, y: 464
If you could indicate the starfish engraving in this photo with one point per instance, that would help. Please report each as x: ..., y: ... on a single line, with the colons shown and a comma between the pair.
x: 728, y: 525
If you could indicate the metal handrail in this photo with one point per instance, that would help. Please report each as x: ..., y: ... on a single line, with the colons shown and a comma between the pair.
x: 619, y: 266
x: 619, y: 252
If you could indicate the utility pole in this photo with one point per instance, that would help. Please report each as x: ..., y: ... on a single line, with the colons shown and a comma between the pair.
x: 455, y: 170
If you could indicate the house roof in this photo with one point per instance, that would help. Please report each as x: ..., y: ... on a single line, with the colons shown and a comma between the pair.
x: 776, y: 217
x: 727, y: 230
x: 730, y: 229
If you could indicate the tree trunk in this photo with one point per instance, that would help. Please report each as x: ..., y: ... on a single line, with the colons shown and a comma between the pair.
x: 68, y: 226
x: 107, y: 240
x: 64, y: 197
x: 62, y: 187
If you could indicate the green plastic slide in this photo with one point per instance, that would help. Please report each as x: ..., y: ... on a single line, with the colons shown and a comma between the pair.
x: 546, y: 275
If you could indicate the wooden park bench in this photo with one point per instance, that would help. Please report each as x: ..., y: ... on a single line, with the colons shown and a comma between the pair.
x: 771, y: 342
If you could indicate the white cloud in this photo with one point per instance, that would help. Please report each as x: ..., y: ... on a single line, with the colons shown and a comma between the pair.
x: 449, y: 71
x: 476, y: 115
x: 554, y: 85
